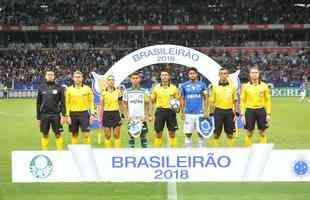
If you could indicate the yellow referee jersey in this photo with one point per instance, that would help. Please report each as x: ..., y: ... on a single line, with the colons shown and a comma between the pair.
x: 79, y: 98
x: 111, y: 99
x: 223, y: 96
x: 162, y: 95
x: 255, y: 96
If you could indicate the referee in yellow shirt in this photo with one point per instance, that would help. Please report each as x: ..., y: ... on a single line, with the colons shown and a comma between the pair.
x: 164, y: 114
x: 255, y: 106
x: 110, y: 105
x: 80, y: 107
x: 223, y: 101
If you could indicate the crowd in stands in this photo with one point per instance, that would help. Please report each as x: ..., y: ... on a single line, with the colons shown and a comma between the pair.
x: 141, y: 12
x: 25, y: 68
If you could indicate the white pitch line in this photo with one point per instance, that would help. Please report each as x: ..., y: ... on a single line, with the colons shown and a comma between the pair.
x: 172, y: 191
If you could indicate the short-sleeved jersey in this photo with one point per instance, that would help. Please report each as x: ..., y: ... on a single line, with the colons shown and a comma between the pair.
x: 111, y: 99
x: 255, y: 96
x: 136, y: 99
x: 223, y: 96
x: 79, y: 99
x: 162, y: 95
x: 193, y: 94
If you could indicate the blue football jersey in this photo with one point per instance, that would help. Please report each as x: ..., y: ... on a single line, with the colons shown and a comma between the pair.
x: 193, y: 95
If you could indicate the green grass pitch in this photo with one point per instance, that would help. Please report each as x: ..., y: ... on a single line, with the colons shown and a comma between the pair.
x: 290, y: 129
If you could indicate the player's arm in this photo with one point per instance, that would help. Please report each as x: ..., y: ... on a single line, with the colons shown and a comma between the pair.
x: 121, y: 105
x: 243, y: 100
x: 206, y: 101
x: 91, y: 105
x: 182, y: 102
x: 152, y: 101
x: 101, y: 106
x: 267, y: 101
x: 235, y: 100
x: 39, y: 103
x: 212, y: 100
x: 68, y: 108
x: 146, y: 106
x: 125, y: 104
x: 62, y: 105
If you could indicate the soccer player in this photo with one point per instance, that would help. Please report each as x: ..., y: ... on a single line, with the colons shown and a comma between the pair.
x: 194, y: 104
x: 223, y: 103
x: 164, y: 114
x: 136, y: 107
x: 255, y: 106
x: 51, y: 110
x: 110, y: 104
x: 80, y: 108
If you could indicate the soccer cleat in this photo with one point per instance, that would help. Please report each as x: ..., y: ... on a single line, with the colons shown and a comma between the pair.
x: 59, y: 144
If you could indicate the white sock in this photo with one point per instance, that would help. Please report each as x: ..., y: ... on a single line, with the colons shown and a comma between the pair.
x: 201, y: 142
x: 188, y: 142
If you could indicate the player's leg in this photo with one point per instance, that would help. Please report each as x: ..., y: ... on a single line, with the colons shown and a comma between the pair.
x: 74, y: 128
x: 262, y: 125
x: 57, y: 129
x: 229, y: 127
x: 116, y: 124
x: 172, y: 125
x: 250, y: 119
x: 188, y: 129
x: 218, y: 123
x: 107, y: 129
x: 143, y: 135
x: 201, y: 139
x: 44, y: 129
x: 159, y: 123
x: 85, y: 127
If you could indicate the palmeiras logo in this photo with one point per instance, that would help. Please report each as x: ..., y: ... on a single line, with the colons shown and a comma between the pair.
x: 301, y: 168
x: 41, y: 166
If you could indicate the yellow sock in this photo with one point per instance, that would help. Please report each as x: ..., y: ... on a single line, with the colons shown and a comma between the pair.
x: 44, y: 143
x: 231, y: 142
x: 173, y: 142
x: 216, y: 142
x: 263, y: 139
x: 99, y: 137
x: 108, y: 143
x: 59, y: 144
x: 247, y: 141
x: 158, y: 142
x: 74, y: 140
x: 86, y: 139
x: 117, y: 143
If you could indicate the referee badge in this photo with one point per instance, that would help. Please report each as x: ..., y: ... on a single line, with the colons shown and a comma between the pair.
x: 205, y: 126
x: 135, y: 127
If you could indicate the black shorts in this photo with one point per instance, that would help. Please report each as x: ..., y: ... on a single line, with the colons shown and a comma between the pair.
x: 224, y: 117
x: 79, y: 120
x: 253, y: 116
x: 111, y: 119
x: 165, y: 116
x: 48, y: 120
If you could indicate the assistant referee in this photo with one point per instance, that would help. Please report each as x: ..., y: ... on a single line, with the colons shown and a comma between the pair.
x: 223, y: 101
x: 255, y: 106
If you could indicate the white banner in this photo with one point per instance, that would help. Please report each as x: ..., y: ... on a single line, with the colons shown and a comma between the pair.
x: 82, y: 163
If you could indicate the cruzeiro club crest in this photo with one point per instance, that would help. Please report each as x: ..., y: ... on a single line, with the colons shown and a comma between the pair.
x: 41, y: 166
x: 301, y: 168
